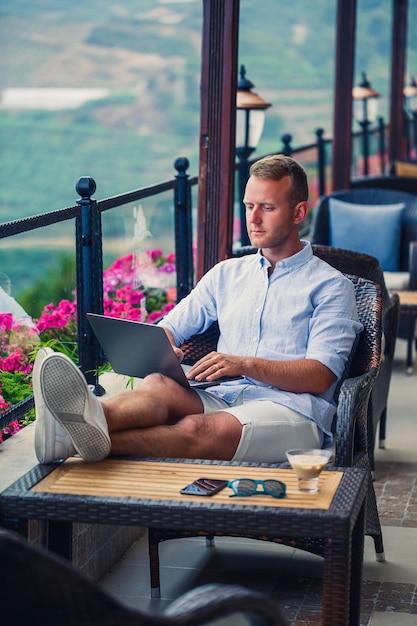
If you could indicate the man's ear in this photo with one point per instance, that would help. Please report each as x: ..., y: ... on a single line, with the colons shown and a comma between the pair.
x: 300, y: 212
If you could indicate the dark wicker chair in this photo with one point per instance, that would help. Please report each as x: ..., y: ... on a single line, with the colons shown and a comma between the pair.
x: 368, y: 267
x: 320, y: 230
x: 380, y: 190
x: 350, y: 424
x: 391, y: 181
x: 44, y: 589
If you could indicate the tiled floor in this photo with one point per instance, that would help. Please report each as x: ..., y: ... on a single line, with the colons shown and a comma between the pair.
x: 291, y: 577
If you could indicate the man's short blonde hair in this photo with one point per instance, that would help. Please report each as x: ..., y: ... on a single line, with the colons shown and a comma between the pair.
x: 278, y: 166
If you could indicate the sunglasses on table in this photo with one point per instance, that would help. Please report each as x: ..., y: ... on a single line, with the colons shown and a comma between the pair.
x: 249, y: 487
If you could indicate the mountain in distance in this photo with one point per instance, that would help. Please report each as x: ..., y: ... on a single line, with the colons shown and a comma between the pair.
x: 140, y: 63
x: 111, y: 90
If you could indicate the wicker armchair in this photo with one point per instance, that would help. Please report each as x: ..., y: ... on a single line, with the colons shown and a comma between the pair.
x: 44, y: 589
x: 368, y: 267
x: 350, y: 424
x: 320, y: 232
x: 380, y: 191
x: 390, y: 181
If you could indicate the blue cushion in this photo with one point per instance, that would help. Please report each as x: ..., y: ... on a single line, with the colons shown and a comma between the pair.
x: 369, y: 228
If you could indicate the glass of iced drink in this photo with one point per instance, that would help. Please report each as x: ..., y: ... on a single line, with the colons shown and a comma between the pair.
x: 308, y: 464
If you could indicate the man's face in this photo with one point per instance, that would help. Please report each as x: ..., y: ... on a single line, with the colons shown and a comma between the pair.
x: 270, y: 220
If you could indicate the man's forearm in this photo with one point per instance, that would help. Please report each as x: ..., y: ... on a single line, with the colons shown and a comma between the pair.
x: 299, y: 376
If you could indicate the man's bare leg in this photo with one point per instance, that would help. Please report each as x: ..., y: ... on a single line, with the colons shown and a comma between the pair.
x: 157, y: 400
x: 213, y: 436
x: 160, y: 419
x: 163, y: 419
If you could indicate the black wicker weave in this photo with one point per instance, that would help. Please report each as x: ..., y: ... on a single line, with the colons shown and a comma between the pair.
x: 380, y: 191
x: 199, y: 345
x: 44, y: 589
x: 389, y: 181
x: 368, y: 267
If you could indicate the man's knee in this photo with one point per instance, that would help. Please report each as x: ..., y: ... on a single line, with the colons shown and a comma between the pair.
x: 211, y: 436
x: 195, y: 427
x: 160, y: 386
x: 178, y: 400
x: 157, y: 381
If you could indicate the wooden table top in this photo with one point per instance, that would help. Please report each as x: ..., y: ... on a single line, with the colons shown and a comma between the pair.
x: 164, y: 480
x: 407, y: 298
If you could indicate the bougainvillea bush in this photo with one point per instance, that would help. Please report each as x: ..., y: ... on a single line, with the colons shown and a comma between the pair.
x: 141, y: 289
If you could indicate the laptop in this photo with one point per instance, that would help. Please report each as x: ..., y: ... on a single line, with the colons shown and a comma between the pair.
x: 138, y: 349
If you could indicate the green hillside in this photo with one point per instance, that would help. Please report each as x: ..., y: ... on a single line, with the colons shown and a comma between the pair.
x: 146, y: 56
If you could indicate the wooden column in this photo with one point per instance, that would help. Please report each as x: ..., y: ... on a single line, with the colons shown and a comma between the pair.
x: 217, y: 131
x: 397, y: 143
x: 342, y: 115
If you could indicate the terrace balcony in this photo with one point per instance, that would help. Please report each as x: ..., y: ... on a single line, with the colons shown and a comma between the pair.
x: 291, y: 577
x: 389, y: 589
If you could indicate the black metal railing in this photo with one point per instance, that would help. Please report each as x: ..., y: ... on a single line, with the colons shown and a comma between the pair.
x: 87, y: 214
x: 89, y: 257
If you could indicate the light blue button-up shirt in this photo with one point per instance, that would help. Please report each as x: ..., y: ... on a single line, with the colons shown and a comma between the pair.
x: 304, y: 310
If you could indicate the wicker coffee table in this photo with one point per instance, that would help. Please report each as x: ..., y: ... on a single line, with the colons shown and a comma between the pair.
x: 146, y: 493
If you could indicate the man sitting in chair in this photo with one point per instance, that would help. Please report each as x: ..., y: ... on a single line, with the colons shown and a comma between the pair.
x: 287, y: 323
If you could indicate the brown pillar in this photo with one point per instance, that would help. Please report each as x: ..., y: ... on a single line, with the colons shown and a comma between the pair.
x: 343, y: 84
x: 217, y: 131
x: 397, y: 143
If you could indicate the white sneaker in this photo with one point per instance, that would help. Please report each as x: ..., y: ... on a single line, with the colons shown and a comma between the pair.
x: 71, y: 402
x: 52, y: 442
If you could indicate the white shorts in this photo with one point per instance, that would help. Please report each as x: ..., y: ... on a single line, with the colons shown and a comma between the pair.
x: 269, y: 429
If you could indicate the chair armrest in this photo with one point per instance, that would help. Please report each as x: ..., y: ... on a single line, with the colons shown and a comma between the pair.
x: 351, y: 430
x: 44, y: 585
x: 390, y: 321
x: 412, y: 265
x: 215, y: 601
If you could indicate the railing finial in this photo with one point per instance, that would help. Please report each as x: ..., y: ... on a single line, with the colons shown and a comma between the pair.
x: 286, y: 140
x: 85, y: 186
x: 181, y: 164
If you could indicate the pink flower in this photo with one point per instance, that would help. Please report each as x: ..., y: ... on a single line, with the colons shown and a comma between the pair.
x: 155, y: 254
x: 3, y: 403
x: 6, y: 322
x: 123, y: 293
x: 168, y: 268
x: 57, y: 317
x: 135, y: 297
x: 12, y: 428
x: 136, y: 315
x: 154, y: 317
x: 67, y: 308
x: 16, y: 361
x: 121, y: 298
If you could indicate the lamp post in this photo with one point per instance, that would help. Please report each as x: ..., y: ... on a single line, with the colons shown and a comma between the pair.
x: 410, y: 97
x: 365, y: 109
x: 250, y: 119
